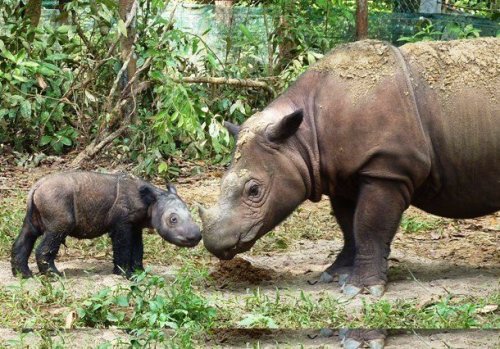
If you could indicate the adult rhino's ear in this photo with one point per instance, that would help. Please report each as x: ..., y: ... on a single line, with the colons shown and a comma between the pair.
x: 171, y: 189
x: 147, y: 194
x: 286, y: 127
x: 232, y: 128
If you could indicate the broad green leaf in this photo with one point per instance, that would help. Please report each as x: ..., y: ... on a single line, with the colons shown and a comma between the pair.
x: 25, y: 109
x: 6, y: 53
x: 19, y: 78
x: 121, y: 28
x: 57, y: 57
x: 45, y: 140
x: 245, y: 31
x: 122, y: 301
x: 66, y: 141
x: 162, y: 167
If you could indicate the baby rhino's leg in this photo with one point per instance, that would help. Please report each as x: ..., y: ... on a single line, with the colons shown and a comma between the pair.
x: 47, y: 251
x: 121, y: 237
x: 137, y: 251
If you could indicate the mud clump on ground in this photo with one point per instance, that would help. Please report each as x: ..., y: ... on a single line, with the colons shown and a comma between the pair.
x: 240, y: 271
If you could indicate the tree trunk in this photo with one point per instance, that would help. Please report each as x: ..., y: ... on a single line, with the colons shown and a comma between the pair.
x: 125, y: 80
x: 63, y: 14
x: 127, y: 46
x: 34, y: 11
x: 361, y: 19
x: 224, y: 12
x: 285, y: 42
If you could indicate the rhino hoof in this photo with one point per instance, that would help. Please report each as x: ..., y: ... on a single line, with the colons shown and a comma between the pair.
x: 343, y: 333
x: 376, y: 290
x: 351, y: 290
x: 351, y: 343
x: 376, y: 343
x: 326, y: 332
x: 326, y: 278
x: 343, y: 279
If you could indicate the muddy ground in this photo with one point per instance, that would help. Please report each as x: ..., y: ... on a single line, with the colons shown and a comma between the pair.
x: 448, y: 257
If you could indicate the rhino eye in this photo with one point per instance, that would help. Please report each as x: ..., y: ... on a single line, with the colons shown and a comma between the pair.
x: 173, y: 219
x: 253, y: 191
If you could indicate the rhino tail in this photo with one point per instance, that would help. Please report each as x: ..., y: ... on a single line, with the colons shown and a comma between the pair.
x: 23, y: 246
x: 31, y: 213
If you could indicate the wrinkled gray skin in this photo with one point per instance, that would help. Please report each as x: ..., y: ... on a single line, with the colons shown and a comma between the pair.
x: 86, y: 205
x: 374, y: 142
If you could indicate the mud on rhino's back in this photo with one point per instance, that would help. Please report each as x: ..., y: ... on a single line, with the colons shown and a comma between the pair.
x: 457, y: 85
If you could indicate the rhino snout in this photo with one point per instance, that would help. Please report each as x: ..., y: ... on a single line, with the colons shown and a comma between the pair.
x: 190, y: 237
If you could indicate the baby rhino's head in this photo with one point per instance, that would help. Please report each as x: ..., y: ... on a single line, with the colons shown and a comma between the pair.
x: 170, y: 216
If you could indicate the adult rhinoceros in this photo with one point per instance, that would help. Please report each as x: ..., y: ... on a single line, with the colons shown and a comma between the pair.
x: 376, y: 128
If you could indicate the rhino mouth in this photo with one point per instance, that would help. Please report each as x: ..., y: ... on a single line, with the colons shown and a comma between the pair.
x: 244, y: 243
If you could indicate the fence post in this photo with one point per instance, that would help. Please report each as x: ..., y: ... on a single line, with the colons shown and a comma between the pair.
x: 361, y: 19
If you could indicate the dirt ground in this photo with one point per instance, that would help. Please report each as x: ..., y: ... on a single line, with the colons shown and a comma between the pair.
x: 461, y: 257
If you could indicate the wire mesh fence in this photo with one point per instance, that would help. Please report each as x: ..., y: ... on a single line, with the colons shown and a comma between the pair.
x: 396, y: 21
x: 407, y: 20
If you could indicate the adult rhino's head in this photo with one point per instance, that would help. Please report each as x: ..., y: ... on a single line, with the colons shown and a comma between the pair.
x: 170, y: 216
x: 264, y: 184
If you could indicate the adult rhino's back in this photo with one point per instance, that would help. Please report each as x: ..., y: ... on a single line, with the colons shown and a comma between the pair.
x: 457, y: 91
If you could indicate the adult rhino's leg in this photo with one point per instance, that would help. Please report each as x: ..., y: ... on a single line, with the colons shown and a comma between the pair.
x: 22, y: 248
x: 121, y: 237
x: 47, y: 251
x: 378, y: 211
x: 137, y: 251
x: 343, y: 210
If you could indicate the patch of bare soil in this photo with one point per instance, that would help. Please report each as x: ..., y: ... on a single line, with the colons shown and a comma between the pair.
x: 82, y: 277
x: 240, y: 271
x: 238, y: 338
x: 78, y: 338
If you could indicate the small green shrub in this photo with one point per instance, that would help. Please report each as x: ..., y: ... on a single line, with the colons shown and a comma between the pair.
x: 147, y: 307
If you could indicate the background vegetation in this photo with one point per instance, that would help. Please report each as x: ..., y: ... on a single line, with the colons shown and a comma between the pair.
x: 85, y: 79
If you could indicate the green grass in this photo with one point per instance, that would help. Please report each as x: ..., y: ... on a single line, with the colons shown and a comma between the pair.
x: 258, y: 310
x: 414, y: 224
x: 146, y: 308
x: 12, y: 210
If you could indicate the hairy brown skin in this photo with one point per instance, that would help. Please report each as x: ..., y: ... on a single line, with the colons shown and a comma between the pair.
x: 375, y: 128
x: 86, y: 205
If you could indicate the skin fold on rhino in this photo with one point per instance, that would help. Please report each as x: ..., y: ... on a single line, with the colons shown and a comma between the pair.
x: 86, y: 205
x: 376, y: 128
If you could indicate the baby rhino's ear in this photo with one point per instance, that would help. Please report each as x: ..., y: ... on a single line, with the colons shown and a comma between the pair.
x: 171, y: 189
x: 148, y: 195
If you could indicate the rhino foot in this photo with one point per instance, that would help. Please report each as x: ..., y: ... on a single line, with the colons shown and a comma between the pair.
x: 351, y: 343
x: 326, y: 278
x: 333, y: 273
x: 343, y: 279
x: 352, y: 290
x: 354, y: 339
x: 376, y: 290
x: 24, y: 273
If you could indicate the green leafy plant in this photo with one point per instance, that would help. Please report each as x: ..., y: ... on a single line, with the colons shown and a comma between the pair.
x: 426, y: 32
x: 148, y: 306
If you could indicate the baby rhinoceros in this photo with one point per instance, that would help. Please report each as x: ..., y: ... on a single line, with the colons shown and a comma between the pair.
x: 86, y: 205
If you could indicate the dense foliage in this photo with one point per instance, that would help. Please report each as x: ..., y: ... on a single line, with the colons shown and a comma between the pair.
x: 59, y: 81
